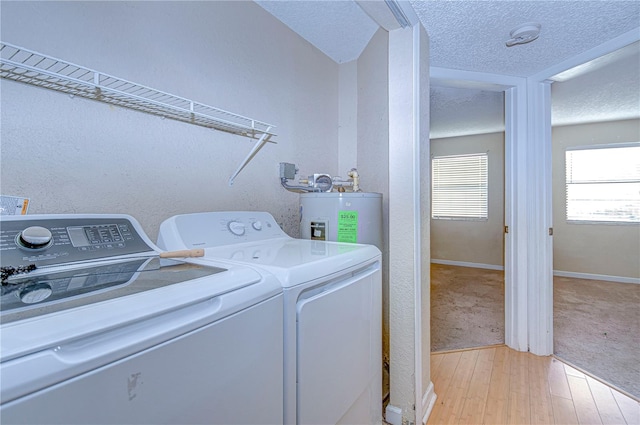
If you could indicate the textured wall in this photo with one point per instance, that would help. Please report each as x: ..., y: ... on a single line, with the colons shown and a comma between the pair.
x: 401, y: 223
x: 408, y: 250
x: 348, y: 118
x: 426, y: 397
x: 75, y: 155
x: 605, y: 249
x: 373, y: 149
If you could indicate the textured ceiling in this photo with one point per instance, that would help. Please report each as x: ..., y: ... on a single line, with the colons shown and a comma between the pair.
x: 605, y: 89
x: 461, y: 112
x: 470, y: 35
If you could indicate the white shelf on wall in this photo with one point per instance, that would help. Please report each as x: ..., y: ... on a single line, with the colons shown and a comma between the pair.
x: 26, y: 66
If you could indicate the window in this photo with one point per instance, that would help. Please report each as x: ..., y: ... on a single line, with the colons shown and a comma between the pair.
x: 603, y: 183
x: 459, y: 187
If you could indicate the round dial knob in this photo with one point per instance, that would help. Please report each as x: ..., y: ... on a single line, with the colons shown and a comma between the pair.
x: 35, y: 237
x: 35, y: 293
x: 257, y: 225
x: 236, y: 228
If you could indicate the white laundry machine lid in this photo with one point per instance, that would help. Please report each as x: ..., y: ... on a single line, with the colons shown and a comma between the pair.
x: 296, y: 261
x: 254, y: 238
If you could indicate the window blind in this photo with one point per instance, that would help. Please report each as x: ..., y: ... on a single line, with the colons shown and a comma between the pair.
x: 603, y: 183
x: 459, y: 186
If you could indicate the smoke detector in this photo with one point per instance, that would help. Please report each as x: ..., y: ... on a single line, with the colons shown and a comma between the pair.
x: 524, y: 33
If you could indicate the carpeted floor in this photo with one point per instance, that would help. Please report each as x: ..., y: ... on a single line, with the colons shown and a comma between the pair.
x: 596, y: 326
x: 467, y: 307
x: 596, y: 323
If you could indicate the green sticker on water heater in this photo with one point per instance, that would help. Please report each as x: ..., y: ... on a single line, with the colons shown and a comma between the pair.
x: 348, y: 226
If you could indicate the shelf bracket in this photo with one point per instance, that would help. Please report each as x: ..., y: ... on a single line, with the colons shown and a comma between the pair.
x: 259, y: 144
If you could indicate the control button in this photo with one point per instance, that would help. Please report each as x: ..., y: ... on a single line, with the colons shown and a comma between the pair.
x: 236, y: 228
x: 35, y: 293
x: 257, y: 225
x: 35, y: 237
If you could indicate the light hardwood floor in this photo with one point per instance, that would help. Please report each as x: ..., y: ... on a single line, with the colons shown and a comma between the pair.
x: 498, y: 385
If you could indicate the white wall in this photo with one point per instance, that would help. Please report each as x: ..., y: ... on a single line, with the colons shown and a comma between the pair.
x: 348, y: 118
x: 75, y: 155
x: 426, y: 396
x: 411, y: 389
x: 373, y: 149
x: 473, y: 241
x: 600, y: 249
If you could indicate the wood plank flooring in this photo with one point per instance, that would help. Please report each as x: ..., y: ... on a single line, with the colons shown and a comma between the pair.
x: 498, y: 385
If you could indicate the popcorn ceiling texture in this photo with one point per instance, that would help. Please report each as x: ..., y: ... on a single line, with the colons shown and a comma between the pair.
x: 471, y: 35
x: 462, y: 112
x: 606, y: 90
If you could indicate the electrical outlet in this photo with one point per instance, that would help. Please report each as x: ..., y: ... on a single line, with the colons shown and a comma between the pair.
x: 287, y: 171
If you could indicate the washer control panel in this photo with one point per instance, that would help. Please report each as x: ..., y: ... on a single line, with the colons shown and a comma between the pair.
x: 48, y: 240
x: 242, y: 227
x: 211, y: 229
x: 237, y: 228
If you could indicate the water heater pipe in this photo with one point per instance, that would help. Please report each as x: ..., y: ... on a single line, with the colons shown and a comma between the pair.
x: 356, y: 179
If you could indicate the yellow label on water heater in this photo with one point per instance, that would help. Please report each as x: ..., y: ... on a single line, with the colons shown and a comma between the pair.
x: 348, y: 226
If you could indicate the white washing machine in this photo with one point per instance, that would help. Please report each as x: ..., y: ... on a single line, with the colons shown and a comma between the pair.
x: 102, y: 332
x: 332, y: 310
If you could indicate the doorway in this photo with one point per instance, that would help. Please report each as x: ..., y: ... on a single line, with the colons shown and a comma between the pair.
x: 596, y: 182
x: 467, y: 218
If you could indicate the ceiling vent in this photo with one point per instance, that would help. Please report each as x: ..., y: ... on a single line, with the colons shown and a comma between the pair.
x: 524, y: 33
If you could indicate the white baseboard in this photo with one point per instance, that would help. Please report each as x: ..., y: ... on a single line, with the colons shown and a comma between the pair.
x: 393, y: 415
x: 590, y: 276
x: 466, y: 264
x: 428, y: 401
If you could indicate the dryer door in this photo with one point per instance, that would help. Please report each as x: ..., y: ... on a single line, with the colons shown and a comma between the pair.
x: 339, y: 353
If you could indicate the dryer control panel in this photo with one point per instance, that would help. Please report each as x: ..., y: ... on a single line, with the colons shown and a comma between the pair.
x: 212, y: 229
x: 50, y: 239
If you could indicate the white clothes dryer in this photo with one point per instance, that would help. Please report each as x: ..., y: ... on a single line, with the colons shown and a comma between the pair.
x: 102, y: 332
x: 332, y: 310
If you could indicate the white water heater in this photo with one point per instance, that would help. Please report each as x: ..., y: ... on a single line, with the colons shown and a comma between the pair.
x: 354, y: 217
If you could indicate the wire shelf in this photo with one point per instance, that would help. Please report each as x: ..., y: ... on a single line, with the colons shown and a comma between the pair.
x: 27, y: 66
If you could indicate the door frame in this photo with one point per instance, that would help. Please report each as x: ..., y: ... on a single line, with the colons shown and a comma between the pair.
x: 528, y: 261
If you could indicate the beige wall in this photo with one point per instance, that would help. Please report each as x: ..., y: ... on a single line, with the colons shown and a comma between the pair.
x: 470, y: 241
x: 601, y: 249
